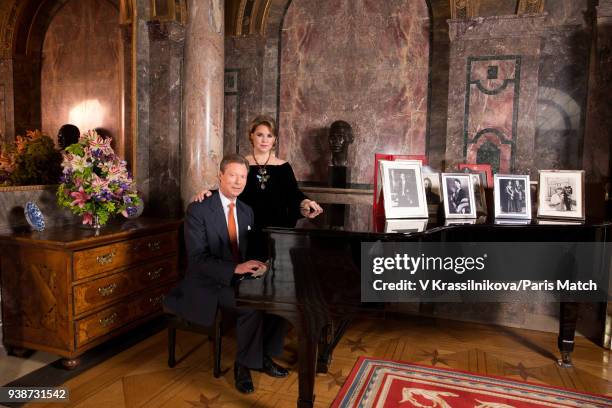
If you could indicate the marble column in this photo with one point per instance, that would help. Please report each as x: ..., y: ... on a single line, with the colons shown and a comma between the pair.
x: 202, y: 138
x: 597, y: 147
x: 598, y: 137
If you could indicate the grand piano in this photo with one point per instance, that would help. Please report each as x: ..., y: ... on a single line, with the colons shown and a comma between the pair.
x: 314, y: 279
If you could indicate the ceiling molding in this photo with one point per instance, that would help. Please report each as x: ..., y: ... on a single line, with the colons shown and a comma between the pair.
x: 246, y: 17
x: 530, y: 7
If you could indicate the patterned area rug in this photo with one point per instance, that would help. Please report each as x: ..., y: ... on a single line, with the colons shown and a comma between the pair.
x: 384, y: 383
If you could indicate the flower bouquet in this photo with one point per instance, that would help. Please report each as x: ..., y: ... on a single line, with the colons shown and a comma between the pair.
x: 95, y: 183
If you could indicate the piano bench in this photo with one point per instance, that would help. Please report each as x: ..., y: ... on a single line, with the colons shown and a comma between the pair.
x: 214, y: 332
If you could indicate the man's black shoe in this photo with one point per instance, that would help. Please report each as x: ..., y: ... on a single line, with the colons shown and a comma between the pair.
x: 273, y: 369
x: 242, y: 379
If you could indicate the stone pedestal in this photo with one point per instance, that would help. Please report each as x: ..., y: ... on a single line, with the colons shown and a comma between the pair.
x: 202, y: 136
x: 338, y: 176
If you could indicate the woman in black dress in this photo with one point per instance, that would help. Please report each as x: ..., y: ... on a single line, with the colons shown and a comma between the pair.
x: 271, y: 189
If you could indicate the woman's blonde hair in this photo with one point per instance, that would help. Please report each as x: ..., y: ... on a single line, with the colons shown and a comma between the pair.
x: 262, y: 120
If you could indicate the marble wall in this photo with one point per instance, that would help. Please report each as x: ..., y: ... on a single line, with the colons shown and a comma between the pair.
x: 519, y: 89
x: 245, y: 57
x: 563, y: 85
x: 374, y: 75
x: 493, y: 92
x: 164, y: 166
x: 81, y: 70
x: 597, y: 155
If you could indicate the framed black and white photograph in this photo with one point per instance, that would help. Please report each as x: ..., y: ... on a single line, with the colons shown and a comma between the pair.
x: 512, y: 196
x: 479, y: 194
x: 406, y: 226
x: 561, y: 194
x: 403, y: 190
x: 231, y: 81
x: 433, y: 191
x: 458, y: 195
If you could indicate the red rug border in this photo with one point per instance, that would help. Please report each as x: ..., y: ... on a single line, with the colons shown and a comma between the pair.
x: 359, y: 361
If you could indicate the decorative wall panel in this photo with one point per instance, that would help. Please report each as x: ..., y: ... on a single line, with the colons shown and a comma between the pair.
x: 493, y: 92
x: 491, y: 110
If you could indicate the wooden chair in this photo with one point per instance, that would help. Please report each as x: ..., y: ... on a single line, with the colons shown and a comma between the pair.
x: 214, y: 332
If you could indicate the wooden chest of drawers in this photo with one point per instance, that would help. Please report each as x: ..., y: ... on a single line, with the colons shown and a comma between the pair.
x: 65, y: 290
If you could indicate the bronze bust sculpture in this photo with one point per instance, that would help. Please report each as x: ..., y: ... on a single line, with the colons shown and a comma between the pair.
x: 340, y: 136
x: 68, y: 134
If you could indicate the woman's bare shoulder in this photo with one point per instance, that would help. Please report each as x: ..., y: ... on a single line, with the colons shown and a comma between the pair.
x: 250, y: 159
x: 275, y: 161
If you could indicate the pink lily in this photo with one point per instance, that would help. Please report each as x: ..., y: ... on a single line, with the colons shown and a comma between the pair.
x: 96, y: 142
x: 98, y: 184
x: 80, y: 197
x: 87, y: 218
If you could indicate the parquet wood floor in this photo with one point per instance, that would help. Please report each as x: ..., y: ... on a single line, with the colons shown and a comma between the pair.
x: 139, y: 376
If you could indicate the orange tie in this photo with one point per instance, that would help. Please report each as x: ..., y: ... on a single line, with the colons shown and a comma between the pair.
x: 233, y: 235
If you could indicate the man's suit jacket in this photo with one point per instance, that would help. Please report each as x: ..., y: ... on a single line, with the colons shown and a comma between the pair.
x: 210, y: 264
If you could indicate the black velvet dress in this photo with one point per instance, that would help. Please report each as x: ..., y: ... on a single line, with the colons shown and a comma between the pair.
x: 277, y: 205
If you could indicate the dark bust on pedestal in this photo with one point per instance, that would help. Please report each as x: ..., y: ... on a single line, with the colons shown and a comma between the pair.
x: 68, y: 134
x: 340, y: 136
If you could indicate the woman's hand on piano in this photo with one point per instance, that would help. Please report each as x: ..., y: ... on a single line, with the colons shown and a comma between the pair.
x: 310, y: 208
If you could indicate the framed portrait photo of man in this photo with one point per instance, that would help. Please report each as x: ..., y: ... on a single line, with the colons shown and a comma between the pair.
x: 458, y: 195
x: 403, y: 191
x: 479, y: 194
x: 433, y: 191
x: 561, y: 194
x: 512, y: 196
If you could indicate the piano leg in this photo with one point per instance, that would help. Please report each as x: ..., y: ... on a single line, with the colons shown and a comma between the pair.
x: 567, y: 329
x: 327, y: 347
x: 308, y: 326
x: 308, y: 333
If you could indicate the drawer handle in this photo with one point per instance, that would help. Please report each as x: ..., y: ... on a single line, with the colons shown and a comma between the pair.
x: 155, y: 274
x: 106, y: 259
x: 107, y: 290
x: 154, y: 246
x: 107, y: 321
x: 156, y: 300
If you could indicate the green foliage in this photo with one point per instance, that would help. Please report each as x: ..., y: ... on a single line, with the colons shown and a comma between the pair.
x: 38, y: 163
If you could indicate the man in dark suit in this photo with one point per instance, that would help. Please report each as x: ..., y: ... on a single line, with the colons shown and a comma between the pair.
x: 216, y: 234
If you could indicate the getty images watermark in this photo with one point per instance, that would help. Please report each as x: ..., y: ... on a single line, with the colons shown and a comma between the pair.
x: 490, y: 271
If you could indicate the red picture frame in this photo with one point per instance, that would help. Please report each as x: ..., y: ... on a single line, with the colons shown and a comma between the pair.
x: 378, y: 205
x: 479, y: 169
